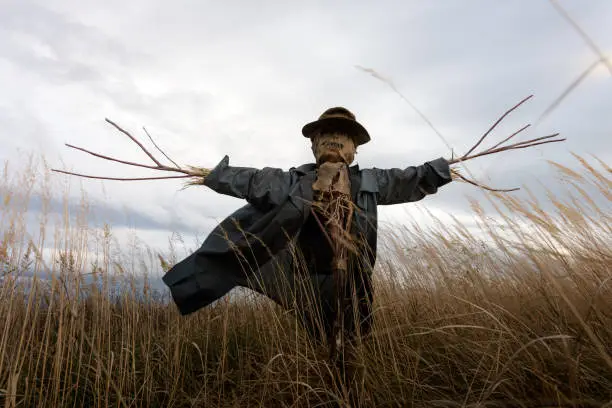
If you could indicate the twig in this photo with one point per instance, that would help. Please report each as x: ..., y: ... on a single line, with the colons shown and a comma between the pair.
x: 120, y: 178
x: 125, y: 132
x: 537, y: 139
x: 509, y: 137
x: 497, y: 190
x: 158, y: 148
x: 465, y: 157
x: 146, y: 166
x: 539, y: 143
x: 520, y: 145
x: 194, y: 172
x: 499, y: 147
x: 497, y: 122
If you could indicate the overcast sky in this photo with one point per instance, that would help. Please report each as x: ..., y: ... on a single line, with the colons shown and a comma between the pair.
x: 242, y: 77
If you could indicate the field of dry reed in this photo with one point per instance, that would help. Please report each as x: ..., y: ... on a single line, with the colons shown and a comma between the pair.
x: 514, y: 311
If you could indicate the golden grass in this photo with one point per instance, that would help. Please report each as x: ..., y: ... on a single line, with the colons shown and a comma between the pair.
x: 525, y: 320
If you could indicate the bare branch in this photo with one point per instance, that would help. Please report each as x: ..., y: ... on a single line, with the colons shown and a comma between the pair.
x: 119, y: 178
x: 158, y: 148
x: 112, y: 158
x: 197, y: 173
x: 129, y: 163
x: 497, y: 190
x: 536, y: 144
x: 502, y: 117
x: 509, y: 137
x: 125, y: 132
x: 521, y: 145
x: 537, y: 139
x: 453, y: 160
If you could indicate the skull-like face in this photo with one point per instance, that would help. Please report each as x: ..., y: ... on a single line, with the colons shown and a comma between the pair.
x: 333, y: 147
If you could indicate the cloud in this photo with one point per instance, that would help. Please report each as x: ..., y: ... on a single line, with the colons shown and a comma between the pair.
x: 209, y: 79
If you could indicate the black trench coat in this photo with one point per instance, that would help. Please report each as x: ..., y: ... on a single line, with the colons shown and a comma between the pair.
x: 255, y: 246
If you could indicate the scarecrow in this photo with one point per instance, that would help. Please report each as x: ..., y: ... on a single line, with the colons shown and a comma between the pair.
x: 318, y: 221
x: 307, y: 236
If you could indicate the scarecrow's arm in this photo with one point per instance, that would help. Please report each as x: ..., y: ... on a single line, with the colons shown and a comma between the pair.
x: 263, y: 188
x: 397, y: 186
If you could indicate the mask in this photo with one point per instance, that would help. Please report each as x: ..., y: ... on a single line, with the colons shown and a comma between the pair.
x: 333, y: 148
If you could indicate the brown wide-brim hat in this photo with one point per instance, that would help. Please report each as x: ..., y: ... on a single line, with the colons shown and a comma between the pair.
x: 340, y: 119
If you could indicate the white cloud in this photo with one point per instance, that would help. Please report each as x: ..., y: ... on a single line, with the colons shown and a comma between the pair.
x: 240, y: 78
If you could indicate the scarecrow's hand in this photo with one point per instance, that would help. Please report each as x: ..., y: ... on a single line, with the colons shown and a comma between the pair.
x: 263, y: 188
x: 397, y: 186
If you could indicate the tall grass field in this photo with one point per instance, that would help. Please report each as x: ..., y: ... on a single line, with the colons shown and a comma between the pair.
x: 514, y: 309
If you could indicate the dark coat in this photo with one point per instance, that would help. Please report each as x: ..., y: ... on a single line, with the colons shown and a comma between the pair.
x: 253, y: 246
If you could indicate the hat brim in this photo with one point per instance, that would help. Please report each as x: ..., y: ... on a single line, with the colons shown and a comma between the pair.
x: 351, y: 127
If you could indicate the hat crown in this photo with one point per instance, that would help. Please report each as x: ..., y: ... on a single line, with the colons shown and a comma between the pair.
x: 337, y: 112
x: 339, y: 119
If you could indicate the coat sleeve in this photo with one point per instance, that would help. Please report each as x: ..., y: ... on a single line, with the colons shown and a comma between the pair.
x: 262, y: 188
x: 397, y: 186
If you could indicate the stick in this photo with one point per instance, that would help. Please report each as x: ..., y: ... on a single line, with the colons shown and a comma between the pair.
x: 497, y: 123
x: 196, y: 172
x: 519, y: 145
x: 158, y: 148
x: 466, y: 156
x: 509, y: 137
x: 537, y: 139
x: 497, y: 190
x: 511, y: 147
x: 125, y: 132
x: 146, y: 166
x: 119, y: 178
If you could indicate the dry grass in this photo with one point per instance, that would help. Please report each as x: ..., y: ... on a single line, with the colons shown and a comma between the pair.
x: 523, y: 321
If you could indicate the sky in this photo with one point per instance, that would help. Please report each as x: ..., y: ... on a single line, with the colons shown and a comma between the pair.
x: 241, y: 78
